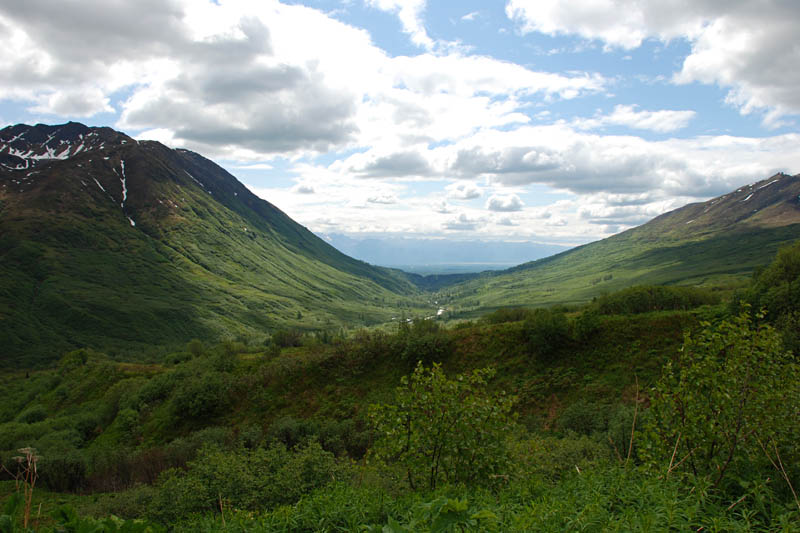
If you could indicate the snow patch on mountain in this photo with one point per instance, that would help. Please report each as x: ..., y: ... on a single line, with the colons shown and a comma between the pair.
x: 124, y: 185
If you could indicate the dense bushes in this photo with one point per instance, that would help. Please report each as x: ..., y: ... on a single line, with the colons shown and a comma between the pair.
x: 777, y: 287
x: 546, y: 331
x: 647, y: 298
x: 424, y: 341
x: 261, y: 478
x: 728, y: 405
x: 506, y: 314
x: 202, y: 397
x: 348, y: 437
x: 287, y: 338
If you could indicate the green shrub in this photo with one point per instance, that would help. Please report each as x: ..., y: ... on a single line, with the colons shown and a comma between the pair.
x: 195, y: 348
x: 59, y: 439
x: 731, y: 391
x: 586, y: 325
x: 546, y: 332
x: 201, y: 397
x: 506, y: 314
x: 444, y: 430
x: 426, y: 342
x: 339, y: 437
x: 176, y: 358
x: 154, y: 390
x: 584, y: 417
x: 366, y: 348
x: 245, y: 479
x: 74, y: 359
x: 287, y: 338
x: 777, y: 287
x: 648, y: 298
x: 63, y: 470
x: 35, y: 413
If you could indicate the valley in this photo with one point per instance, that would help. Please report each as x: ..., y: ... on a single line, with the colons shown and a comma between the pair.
x: 180, y: 355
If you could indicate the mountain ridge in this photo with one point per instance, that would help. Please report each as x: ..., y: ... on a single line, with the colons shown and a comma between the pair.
x: 713, y: 243
x: 100, y: 231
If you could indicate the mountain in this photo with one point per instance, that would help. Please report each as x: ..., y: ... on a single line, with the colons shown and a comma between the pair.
x: 440, y: 255
x: 130, y: 246
x: 715, y: 243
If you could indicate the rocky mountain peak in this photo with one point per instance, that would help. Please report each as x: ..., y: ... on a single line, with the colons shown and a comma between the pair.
x: 23, y: 147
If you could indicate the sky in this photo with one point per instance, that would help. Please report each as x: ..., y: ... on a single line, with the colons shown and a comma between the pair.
x: 548, y: 121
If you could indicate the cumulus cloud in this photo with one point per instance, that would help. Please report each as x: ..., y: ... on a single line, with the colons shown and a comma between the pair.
x: 396, y: 165
x: 505, y: 221
x: 504, y: 203
x: 463, y: 191
x: 739, y: 45
x: 564, y: 158
x: 442, y: 207
x: 556, y: 222
x: 303, y: 188
x: 84, y: 102
x: 247, y: 81
x: 662, y: 121
x: 385, y: 199
x: 463, y: 222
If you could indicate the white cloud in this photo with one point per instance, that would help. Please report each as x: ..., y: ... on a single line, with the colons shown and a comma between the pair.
x: 248, y: 81
x: 504, y: 203
x: 613, y: 180
x: 744, y: 46
x: 386, y: 199
x: 662, y: 121
x: 463, y: 222
x: 391, y: 165
x: 505, y: 221
x: 470, y: 16
x: 254, y: 166
x: 556, y: 222
x: 564, y: 158
x: 463, y: 191
x: 442, y: 207
x: 303, y: 188
x: 410, y: 13
x: 84, y: 102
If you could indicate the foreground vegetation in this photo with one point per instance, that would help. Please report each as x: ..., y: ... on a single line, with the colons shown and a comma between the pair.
x: 650, y: 409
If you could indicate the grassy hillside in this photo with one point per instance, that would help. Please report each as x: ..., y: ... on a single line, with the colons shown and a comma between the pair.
x: 716, y: 244
x: 130, y: 247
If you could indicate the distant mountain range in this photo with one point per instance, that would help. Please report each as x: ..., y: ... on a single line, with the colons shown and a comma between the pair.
x: 425, y: 256
x: 118, y: 244
x: 716, y: 243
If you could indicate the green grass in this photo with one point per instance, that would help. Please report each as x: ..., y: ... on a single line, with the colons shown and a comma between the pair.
x: 723, y: 261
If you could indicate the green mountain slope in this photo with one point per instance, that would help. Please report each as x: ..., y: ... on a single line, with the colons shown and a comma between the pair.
x: 126, y: 246
x: 714, y: 243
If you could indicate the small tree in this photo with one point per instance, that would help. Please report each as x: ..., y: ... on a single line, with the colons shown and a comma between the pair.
x: 424, y: 341
x: 732, y: 389
x: 444, y: 430
x: 546, y: 330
